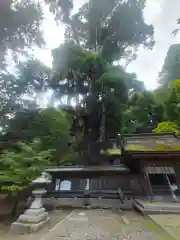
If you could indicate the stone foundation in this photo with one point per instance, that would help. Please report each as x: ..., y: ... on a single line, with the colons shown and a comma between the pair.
x: 81, y: 203
x: 22, y: 228
x: 31, y: 221
x: 146, y: 208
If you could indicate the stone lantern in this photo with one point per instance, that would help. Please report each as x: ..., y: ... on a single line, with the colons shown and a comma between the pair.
x: 36, y: 216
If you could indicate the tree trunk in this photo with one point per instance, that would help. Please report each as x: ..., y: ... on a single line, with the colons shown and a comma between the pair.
x: 103, y: 118
x: 103, y: 122
x: 75, y: 34
x: 15, y: 205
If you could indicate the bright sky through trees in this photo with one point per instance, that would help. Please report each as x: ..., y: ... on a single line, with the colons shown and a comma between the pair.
x: 162, y: 14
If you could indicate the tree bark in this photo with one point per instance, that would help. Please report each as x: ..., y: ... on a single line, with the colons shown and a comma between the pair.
x: 15, y: 205
x: 103, y: 118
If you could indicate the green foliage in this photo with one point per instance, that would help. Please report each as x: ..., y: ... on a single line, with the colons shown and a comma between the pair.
x: 54, y: 132
x: 171, y: 67
x: 50, y: 125
x: 84, y: 73
x: 146, y: 110
x: 19, y: 26
x: 24, y: 165
x: 164, y: 127
x: 176, y: 89
x: 142, y: 113
x: 98, y: 82
x: 9, y: 97
x: 23, y: 157
x: 171, y: 101
x: 83, y: 67
x: 34, y: 76
x: 114, y: 28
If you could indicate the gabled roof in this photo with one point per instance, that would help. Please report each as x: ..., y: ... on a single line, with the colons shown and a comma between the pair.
x: 151, y: 142
x: 87, y: 169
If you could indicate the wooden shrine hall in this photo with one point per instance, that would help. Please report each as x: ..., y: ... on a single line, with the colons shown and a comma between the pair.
x: 144, y: 166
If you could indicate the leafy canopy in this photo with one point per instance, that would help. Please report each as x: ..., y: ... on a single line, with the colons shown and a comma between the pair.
x: 171, y: 67
x: 19, y: 26
x: 83, y: 74
x: 115, y: 28
x: 25, y: 165
x: 50, y: 125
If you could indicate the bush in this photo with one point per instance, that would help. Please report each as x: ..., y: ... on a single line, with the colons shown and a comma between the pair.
x: 164, y: 127
x: 25, y: 165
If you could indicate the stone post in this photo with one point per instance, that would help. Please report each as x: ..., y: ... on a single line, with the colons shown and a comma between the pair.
x: 36, y: 216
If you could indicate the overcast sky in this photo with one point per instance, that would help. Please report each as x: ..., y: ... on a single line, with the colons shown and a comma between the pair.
x: 161, y: 13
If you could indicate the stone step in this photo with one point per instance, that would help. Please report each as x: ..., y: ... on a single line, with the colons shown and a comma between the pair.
x: 146, y: 211
x: 163, y: 206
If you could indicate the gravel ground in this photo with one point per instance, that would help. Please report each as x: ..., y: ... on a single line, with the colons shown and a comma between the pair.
x: 105, y: 225
x: 92, y: 225
x: 55, y: 217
